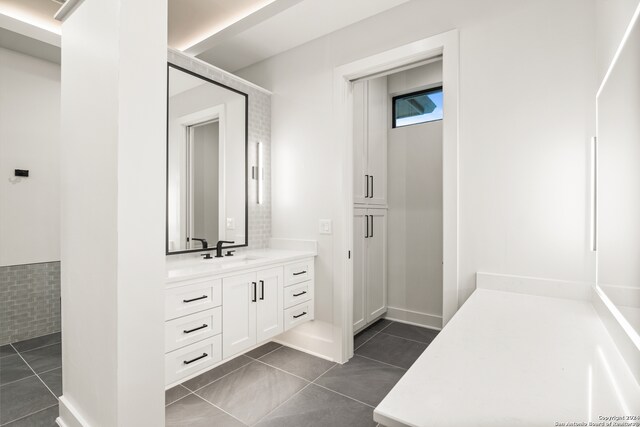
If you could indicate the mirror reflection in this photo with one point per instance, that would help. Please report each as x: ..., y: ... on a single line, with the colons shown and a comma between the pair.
x: 206, y: 163
x: 618, y: 175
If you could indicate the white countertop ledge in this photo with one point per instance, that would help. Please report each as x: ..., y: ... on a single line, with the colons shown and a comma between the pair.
x: 512, y: 359
x: 194, y: 268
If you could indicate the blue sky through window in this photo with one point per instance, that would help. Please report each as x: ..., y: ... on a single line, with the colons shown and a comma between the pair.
x: 435, y: 97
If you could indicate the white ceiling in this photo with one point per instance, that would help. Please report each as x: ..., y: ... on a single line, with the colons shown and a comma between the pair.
x: 230, y: 34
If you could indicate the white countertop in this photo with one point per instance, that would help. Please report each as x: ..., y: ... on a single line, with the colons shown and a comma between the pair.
x: 193, y: 268
x: 510, y: 359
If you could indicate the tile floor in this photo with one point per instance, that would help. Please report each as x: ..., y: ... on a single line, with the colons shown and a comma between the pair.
x: 30, y: 382
x: 277, y: 386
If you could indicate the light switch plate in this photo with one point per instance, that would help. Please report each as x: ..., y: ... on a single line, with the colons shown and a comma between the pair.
x: 325, y: 226
x: 231, y: 224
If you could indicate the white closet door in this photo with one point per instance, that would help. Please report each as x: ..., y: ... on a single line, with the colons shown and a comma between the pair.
x: 359, y: 263
x: 360, y: 142
x: 377, y: 121
x: 238, y: 313
x: 270, y: 316
x: 376, y: 276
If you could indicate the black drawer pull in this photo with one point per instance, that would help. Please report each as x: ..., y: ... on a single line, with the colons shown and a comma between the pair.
x: 300, y: 315
x: 300, y: 272
x: 195, y: 329
x: 195, y: 299
x: 301, y: 293
x: 186, y: 362
x: 262, y: 287
x: 254, y: 298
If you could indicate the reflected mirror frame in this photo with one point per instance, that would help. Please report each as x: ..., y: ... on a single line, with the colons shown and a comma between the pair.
x: 246, y: 165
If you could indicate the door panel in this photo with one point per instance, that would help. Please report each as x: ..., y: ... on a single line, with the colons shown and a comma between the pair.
x: 377, y: 124
x: 359, y: 251
x: 238, y: 314
x: 376, y: 275
x: 359, y: 142
x: 270, y: 321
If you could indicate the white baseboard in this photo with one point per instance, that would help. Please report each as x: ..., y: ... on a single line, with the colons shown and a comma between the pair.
x: 416, y: 318
x: 311, y: 337
x: 69, y: 415
x: 534, y: 286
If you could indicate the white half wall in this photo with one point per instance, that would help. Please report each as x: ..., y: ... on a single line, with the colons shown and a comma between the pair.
x: 527, y: 80
x: 29, y: 139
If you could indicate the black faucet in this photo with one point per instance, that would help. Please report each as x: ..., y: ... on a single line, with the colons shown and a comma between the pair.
x: 205, y: 245
x: 219, y: 247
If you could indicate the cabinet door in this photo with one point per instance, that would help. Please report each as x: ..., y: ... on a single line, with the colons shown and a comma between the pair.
x: 238, y: 313
x: 270, y: 320
x: 376, y: 276
x: 360, y: 142
x: 359, y: 258
x: 377, y: 128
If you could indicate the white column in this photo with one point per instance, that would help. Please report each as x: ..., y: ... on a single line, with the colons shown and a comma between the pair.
x: 113, y: 212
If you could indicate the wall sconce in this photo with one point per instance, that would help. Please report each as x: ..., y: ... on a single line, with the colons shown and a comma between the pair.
x: 260, y: 172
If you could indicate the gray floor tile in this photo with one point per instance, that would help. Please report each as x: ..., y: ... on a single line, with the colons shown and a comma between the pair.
x: 393, y: 350
x: 298, y: 363
x: 380, y: 325
x: 6, y: 350
x: 13, y: 368
x: 175, y: 393
x: 53, y: 380
x: 252, y: 392
x: 44, y: 358
x: 22, y: 398
x: 38, y: 342
x: 216, y: 373
x: 362, y: 379
x: 192, y: 411
x: 44, y: 418
x: 411, y: 332
x: 363, y: 337
x: 257, y: 353
x: 317, y: 407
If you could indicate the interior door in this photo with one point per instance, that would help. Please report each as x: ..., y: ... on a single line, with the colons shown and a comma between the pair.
x: 359, y: 256
x: 377, y: 127
x: 376, y: 275
x: 270, y: 314
x: 239, y: 302
x: 360, y: 142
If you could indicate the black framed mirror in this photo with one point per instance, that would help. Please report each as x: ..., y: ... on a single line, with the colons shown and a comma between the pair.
x: 207, y: 139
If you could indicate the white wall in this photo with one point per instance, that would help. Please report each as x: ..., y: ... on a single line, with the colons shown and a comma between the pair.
x: 612, y: 19
x: 415, y: 208
x: 29, y: 139
x: 527, y: 81
x: 113, y: 165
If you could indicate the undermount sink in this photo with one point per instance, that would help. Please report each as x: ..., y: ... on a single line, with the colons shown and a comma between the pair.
x: 233, y: 260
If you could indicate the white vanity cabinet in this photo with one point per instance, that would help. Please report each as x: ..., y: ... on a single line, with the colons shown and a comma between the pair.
x: 252, y: 309
x: 369, y: 266
x: 210, y: 318
x: 370, y: 121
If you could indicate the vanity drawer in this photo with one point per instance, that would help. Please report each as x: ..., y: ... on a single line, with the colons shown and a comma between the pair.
x: 191, y: 359
x: 298, y: 272
x: 192, y: 328
x: 190, y: 299
x: 298, y: 314
x: 297, y: 294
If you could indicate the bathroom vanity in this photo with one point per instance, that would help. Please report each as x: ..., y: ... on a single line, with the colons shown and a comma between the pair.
x: 217, y: 309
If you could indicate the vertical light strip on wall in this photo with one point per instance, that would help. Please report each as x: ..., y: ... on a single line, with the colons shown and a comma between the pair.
x: 594, y: 193
x: 260, y: 172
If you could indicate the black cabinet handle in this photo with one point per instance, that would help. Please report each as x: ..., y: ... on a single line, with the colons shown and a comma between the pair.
x: 262, y: 289
x: 366, y: 235
x: 195, y: 329
x: 195, y: 299
x: 371, y: 196
x: 301, y: 293
x: 255, y: 292
x: 186, y: 362
x: 300, y: 315
x: 371, y: 226
x: 300, y: 272
x: 366, y: 179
